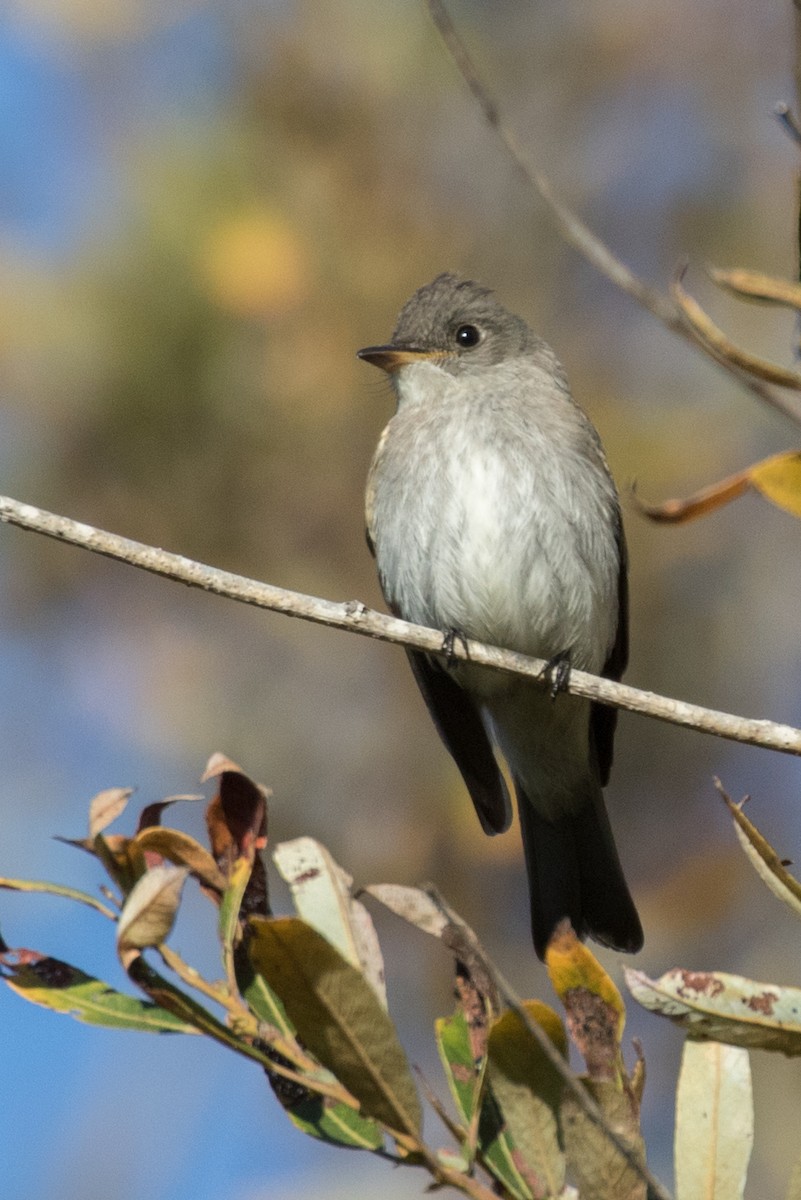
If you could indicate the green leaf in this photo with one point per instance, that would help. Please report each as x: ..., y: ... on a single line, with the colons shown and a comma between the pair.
x: 262, y: 1000
x: 528, y: 1090
x: 714, y: 1122
x: 231, y: 904
x: 339, y: 1017
x: 58, y: 986
x: 336, y: 1123
x: 466, y: 1076
x: 321, y: 1118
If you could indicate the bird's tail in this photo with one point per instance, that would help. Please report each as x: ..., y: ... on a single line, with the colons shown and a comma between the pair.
x: 574, y: 872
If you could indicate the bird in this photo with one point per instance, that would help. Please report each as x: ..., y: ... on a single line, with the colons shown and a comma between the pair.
x: 492, y: 515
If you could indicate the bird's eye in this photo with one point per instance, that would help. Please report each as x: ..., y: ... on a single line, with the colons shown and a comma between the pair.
x: 467, y: 336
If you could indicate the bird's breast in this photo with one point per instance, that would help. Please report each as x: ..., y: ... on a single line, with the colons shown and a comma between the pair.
x: 494, y: 531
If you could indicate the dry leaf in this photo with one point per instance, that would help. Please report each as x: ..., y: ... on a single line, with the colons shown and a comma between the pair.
x: 714, y: 1122
x: 150, y: 910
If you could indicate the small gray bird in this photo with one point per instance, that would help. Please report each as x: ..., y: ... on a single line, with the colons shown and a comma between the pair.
x: 492, y: 515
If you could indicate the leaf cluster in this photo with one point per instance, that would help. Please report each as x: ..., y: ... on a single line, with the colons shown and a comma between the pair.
x: 304, y: 997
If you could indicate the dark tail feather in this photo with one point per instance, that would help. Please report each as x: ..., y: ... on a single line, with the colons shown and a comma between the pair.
x: 574, y: 872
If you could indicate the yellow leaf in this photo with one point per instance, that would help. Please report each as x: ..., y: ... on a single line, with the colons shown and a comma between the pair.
x: 779, y: 480
x: 593, y: 1006
x: 571, y: 965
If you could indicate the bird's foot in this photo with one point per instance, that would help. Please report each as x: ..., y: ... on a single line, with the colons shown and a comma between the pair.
x: 449, y: 640
x: 556, y: 673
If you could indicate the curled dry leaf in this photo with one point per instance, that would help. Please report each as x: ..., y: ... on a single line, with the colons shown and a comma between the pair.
x: 236, y: 819
x: 218, y: 763
x: 763, y: 857
x: 150, y: 910
x: 105, y: 807
x: 412, y: 904
x: 123, y: 860
x: 727, y: 1008
x: 426, y: 910
x: 183, y: 851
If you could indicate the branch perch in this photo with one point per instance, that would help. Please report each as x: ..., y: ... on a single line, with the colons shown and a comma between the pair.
x: 355, y: 617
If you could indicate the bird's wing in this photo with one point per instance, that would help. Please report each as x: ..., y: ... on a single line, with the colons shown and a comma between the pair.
x: 459, y: 724
x: 604, y: 719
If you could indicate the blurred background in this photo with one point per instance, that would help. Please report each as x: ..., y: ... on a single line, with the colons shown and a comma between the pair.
x: 205, y: 209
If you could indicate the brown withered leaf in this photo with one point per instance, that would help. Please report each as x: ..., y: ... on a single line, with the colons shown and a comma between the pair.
x: 151, y: 813
x: 123, y: 861
x: 236, y: 819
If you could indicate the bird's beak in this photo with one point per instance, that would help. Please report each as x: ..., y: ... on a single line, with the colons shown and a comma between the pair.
x: 392, y: 357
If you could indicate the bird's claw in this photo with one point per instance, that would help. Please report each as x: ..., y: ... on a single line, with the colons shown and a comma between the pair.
x: 556, y: 673
x: 449, y: 640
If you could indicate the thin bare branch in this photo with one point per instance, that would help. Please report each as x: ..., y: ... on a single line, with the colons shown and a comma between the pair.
x: 355, y: 617
x: 578, y: 235
x: 788, y: 121
x: 714, y: 337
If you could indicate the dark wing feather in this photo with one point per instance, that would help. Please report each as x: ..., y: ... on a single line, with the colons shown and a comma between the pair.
x: 459, y: 724
x: 603, y: 719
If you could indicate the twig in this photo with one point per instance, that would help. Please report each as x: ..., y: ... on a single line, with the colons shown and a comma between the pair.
x: 788, y: 121
x: 715, y: 340
x: 355, y: 617
x: 580, y: 236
